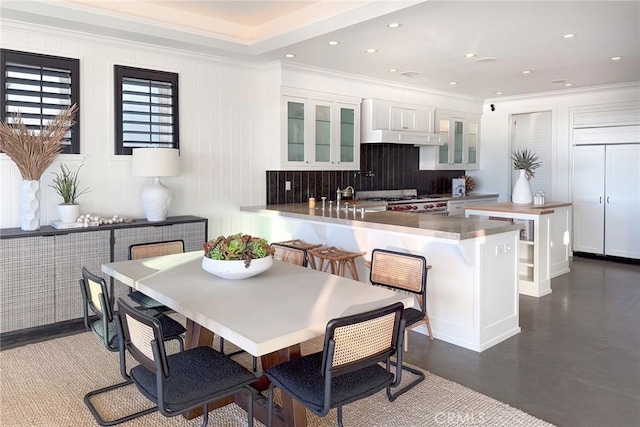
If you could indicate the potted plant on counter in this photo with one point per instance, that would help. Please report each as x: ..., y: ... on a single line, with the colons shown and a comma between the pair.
x: 237, y: 256
x: 526, y: 162
x: 66, y: 185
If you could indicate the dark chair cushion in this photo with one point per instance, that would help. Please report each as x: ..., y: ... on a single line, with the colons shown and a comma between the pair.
x: 145, y: 301
x: 302, y: 379
x: 170, y: 327
x: 412, y: 316
x: 113, y: 338
x: 195, y: 376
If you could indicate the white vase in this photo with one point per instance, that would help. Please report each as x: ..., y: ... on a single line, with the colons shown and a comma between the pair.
x: 68, y: 213
x: 30, y: 205
x: 521, y: 193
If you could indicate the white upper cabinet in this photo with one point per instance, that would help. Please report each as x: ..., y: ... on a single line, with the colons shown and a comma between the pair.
x: 320, y: 131
x: 460, y: 137
x: 392, y: 122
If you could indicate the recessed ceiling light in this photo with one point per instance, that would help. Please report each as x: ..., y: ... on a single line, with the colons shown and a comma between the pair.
x: 569, y: 36
x: 393, y: 70
x: 371, y: 50
x: 393, y: 25
x: 333, y: 43
x: 616, y: 58
x: 568, y: 84
x: 453, y: 83
x: 498, y: 93
x: 469, y: 55
x: 290, y: 55
x: 526, y: 72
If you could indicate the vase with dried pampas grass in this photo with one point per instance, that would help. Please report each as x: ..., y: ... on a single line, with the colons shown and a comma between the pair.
x: 33, y: 151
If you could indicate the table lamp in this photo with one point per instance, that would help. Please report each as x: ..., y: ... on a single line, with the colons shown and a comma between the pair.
x: 155, y: 163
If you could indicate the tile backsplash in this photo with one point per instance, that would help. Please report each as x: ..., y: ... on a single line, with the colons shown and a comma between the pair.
x: 382, y: 167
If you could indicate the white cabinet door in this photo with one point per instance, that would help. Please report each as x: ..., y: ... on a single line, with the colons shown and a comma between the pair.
x: 622, y: 201
x: 588, y: 199
x: 319, y: 133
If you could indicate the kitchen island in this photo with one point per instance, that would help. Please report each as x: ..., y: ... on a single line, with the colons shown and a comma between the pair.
x: 472, y: 296
x: 544, y: 245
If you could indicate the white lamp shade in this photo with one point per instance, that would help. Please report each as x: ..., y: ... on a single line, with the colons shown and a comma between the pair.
x: 155, y: 162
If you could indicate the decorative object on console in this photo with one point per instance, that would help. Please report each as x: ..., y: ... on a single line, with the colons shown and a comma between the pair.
x: 469, y: 184
x: 459, y: 187
x: 526, y: 162
x: 66, y: 185
x: 33, y: 151
x: 155, y: 163
x: 237, y: 256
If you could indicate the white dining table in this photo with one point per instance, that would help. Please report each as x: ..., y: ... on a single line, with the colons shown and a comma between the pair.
x: 267, y: 315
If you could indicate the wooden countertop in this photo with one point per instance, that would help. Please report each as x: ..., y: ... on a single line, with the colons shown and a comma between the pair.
x: 518, y: 208
x: 436, y: 226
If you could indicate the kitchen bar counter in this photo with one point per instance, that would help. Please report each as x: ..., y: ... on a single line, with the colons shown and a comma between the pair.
x: 518, y: 208
x: 427, y: 225
x: 472, y: 288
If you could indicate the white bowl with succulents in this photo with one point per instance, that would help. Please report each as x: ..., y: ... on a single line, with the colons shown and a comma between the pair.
x: 238, y: 256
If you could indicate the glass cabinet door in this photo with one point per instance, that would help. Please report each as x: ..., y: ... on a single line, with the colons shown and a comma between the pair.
x: 295, y: 132
x: 347, y: 135
x: 458, y: 141
x: 472, y: 144
x: 323, y: 133
x: 443, y: 150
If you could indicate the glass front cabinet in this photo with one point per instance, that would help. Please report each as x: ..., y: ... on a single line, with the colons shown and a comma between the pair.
x: 322, y: 131
x: 460, y: 136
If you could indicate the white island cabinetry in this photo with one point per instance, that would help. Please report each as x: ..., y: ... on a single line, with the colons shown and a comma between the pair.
x: 472, y: 288
x: 544, y: 245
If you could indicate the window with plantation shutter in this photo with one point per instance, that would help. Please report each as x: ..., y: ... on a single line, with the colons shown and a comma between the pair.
x: 39, y: 87
x: 146, y: 107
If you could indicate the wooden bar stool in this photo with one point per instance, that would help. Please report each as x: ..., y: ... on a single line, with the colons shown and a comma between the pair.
x: 335, y: 259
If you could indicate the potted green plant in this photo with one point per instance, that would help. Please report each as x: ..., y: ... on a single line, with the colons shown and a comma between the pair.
x: 237, y: 256
x: 526, y: 162
x: 66, y: 184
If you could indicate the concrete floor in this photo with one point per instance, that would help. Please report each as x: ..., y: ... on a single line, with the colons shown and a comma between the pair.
x: 576, y: 361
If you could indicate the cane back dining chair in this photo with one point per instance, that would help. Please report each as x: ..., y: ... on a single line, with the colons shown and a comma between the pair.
x: 148, y: 250
x: 179, y: 382
x: 348, y: 368
x: 290, y: 254
x: 95, y: 297
x: 406, y: 273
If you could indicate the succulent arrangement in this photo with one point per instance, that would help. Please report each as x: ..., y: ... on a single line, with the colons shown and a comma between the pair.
x: 66, y: 184
x: 237, y: 247
x: 526, y: 160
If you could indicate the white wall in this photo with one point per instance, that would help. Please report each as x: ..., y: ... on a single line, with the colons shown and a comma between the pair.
x: 229, y: 126
x: 222, y: 146
x: 495, y: 164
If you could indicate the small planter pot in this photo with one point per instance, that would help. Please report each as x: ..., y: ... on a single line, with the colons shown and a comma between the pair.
x: 69, y: 213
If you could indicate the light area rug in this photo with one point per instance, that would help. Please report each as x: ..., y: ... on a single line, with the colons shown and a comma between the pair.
x: 43, y: 384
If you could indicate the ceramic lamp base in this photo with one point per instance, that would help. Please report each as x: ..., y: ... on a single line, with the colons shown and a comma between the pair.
x: 156, y: 199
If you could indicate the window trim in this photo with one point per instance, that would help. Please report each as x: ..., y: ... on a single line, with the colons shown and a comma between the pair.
x: 120, y: 72
x: 41, y: 60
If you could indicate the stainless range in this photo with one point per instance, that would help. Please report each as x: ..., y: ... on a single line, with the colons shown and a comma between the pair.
x: 408, y: 201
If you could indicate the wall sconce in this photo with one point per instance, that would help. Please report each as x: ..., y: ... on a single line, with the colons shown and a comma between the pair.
x: 155, y: 163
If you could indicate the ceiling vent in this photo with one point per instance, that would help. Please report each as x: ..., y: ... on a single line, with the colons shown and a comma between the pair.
x: 409, y: 74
